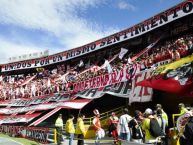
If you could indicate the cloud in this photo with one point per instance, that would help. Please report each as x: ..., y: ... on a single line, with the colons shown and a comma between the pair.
x: 8, y: 49
x: 126, y: 6
x: 60, y: 18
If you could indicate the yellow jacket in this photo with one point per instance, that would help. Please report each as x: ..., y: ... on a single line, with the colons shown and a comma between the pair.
x: 70, y: 126
x: 146, y: 128
x: 59, y: 123
x: 80, y: 128
x: 165, y: 116
x: 183, y: 110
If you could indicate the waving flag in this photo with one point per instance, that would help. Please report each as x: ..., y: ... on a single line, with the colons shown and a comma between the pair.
x: 28, y: 80
x: 81, y: 64
x: 176, y: 77
x: 108, y: 66
x: 145, y: 50
x: 122, y: 53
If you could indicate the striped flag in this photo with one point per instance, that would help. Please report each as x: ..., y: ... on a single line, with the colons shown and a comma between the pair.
x: 145, y: 50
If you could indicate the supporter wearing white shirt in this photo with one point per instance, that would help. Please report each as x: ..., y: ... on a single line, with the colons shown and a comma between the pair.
x: 33, y: 90
x: 22, y: 91
x: 17, y: 92
x: 129, y: 61
x: 124, y: 127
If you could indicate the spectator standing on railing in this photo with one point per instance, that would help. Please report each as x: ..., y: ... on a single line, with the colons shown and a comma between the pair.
x: 70, y: 129
x: 80, y: 129
x: 59, y: 127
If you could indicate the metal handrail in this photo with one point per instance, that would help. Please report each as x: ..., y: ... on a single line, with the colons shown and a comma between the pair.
x: 103, y: 116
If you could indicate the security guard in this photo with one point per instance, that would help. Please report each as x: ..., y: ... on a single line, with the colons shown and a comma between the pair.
x: 59, y: 127
x: 80, y: 129
x: 70, y: 129
x: 182, y: 109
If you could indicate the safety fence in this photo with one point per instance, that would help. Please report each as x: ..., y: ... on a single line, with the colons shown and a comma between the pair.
x: 105, y: 115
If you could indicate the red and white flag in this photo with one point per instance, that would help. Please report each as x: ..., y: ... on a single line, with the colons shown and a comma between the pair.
x: 28, y: 80
x: 145, y: 50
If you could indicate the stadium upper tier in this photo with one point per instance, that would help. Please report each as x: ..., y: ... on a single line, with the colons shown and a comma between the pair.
x: 128, y: 35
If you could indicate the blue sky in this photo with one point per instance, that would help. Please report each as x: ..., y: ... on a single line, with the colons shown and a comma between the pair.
x: 28, y: 26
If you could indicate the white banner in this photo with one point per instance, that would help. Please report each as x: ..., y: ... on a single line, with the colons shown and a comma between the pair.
x: 18, y: 118
x: 127, y: 89
x: 73, y: 104
x: 122, y: 53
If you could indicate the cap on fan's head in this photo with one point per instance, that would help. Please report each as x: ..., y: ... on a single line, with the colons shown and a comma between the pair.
x: 158, y: 106
x: 148, y: 111
x: 181, y: 105
x: 113, y: 113
x: 96, y: 112
x: 137, y: 113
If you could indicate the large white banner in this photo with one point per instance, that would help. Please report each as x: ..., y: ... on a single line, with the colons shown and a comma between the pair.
x: 126, y: 89
x: 18, y: 118
x: 73, y: 104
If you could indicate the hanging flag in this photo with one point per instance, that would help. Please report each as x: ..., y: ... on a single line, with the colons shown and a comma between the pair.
x: 28, y: 80
x: 54, y: 71
x: 108, y: 66
x: 122, y: 53
x: 81, y: 64
x: 145, y: 50
x: 174, y: 78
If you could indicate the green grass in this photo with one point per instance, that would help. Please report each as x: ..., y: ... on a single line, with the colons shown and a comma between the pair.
x: 20, y: 140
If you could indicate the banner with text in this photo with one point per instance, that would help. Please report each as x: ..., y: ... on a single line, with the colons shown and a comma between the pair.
x: 73, y: 104
x: 183, y: 9
x: 38, y: 134
x: 126, y: 89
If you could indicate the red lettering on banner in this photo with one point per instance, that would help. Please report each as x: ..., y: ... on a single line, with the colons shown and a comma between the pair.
x: 94, y: 82
x: 141, y: 91
x: 128, y: 75
x: 102, y: 80
x: 91, y: 83
x: 146, y: 92
x: 82, y: 85
x: 121, y: 74
x: 113, y: 77
x: 87, y: 84
x: 75, y: 87
x: 106, y: 79
x: 136, y: 80
x: 98, y: 81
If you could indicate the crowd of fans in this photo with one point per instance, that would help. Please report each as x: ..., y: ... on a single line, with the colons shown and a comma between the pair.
x: 60, y: 79
x: 149, y: 127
